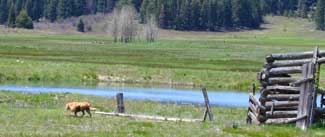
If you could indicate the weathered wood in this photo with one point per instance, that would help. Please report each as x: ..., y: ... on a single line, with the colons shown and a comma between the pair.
x: 285, y: 70
x: 253, y: 118
x: 158, y: 118
x: 281, y: 114
x: 256, y: 103
x: 293, y: 56
x: 254, y: 109
x: 306, y: 97
x: 120, y: 103
x: 207, y: 106
x: 289, y: 63
x: 270, y: 104
x: 284, y: 88
x: 281, y: 90
x: 284, y: 120
x: 281, y: 80
x: 301, y: 81
x: 252, y: 89
x: 283, y: 97
x: 291, y: 108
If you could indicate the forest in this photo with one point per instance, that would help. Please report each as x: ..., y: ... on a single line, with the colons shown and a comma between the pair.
x: 209, y: 15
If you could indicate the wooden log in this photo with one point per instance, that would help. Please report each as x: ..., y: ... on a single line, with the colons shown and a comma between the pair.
x: 281, y: 80
x: 120, y: 103
x: 281, y: 114
x: 321, y: 60
x: 291, y: 108
x: 289, y: 63
x: 253, y: 118
x: 285, y: 70
x: 254, y: 109
x: 275, y: 104
x: 283, y: 97
x: 255, y: 102
x: 301, y: 81
x: 306, y: 97
x: 207, y: 105
x: 281, y: 90
x: 284, y: 120
x: 292, y: 56
x: 158, y: 118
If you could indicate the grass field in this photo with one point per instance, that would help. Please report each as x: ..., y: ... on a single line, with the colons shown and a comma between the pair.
x: 221, y: 60
x: 218, y: 60
x: 44, y: 115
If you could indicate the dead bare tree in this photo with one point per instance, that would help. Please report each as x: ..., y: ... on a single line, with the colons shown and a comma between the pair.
x: 128, y: 24
x: 151, y: 30
x: 115, y: 27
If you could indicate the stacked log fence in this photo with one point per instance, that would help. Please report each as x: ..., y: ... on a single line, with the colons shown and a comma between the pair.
x: 289, y: 85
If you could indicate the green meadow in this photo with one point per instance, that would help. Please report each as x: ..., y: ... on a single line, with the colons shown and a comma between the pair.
x: 44, y: 115
x: 217, y: 60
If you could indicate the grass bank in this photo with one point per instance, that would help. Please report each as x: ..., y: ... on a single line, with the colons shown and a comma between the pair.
x: 44, y: 115
x: 220, y: 60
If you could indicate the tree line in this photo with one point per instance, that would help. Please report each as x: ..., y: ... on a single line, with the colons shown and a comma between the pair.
x: 212, y: 15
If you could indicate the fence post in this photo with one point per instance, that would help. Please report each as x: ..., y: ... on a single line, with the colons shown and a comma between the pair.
x: 306, y: 99
x: 207, y: 106
x: 120, y: 103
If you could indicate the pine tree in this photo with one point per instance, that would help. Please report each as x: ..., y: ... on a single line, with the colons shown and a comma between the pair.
x: 29, y: 6
x: 320, y: 15
x: 79, y: 7
x: 228, y: 21
x: 195, y: 16
x: 302, y: 8
x: 101, y: 5
x: 81, y: 26
x: 162, y: 17
x: 64, y: 9
x: 4, y: 11
x: 24, y: 21
x: 12, y: 17
x: 18, y: 6
x: 51, y: 10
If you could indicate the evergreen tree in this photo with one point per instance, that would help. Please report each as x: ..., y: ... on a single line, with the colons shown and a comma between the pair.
x: 80, y: 26
x: 320, y: 15
x: 162, y: 17
x: 29, y: 7
x: 228, y: 21
x: 24, y: 21
x: 101, y: 5
x: 4, y: 11
x: 51, y: 10
x: 12, y: 17
x: 79, y: 7
x: 64, y: 9
x: 18, y: 6
x: 302, y: 8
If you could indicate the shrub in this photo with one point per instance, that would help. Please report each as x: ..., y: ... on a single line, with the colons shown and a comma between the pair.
x: 81, y: 26
x: 24, y: 21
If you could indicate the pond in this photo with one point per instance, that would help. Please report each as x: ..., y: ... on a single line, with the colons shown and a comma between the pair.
x: 165, y: 95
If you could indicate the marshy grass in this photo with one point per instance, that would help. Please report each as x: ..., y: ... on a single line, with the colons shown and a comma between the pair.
x: 24, y: 114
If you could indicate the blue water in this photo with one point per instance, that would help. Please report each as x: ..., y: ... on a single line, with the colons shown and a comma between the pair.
x: 166, y: 95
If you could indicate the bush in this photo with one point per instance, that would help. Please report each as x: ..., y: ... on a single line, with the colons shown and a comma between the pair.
x: 24, y: 21
x: 81, y: 26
